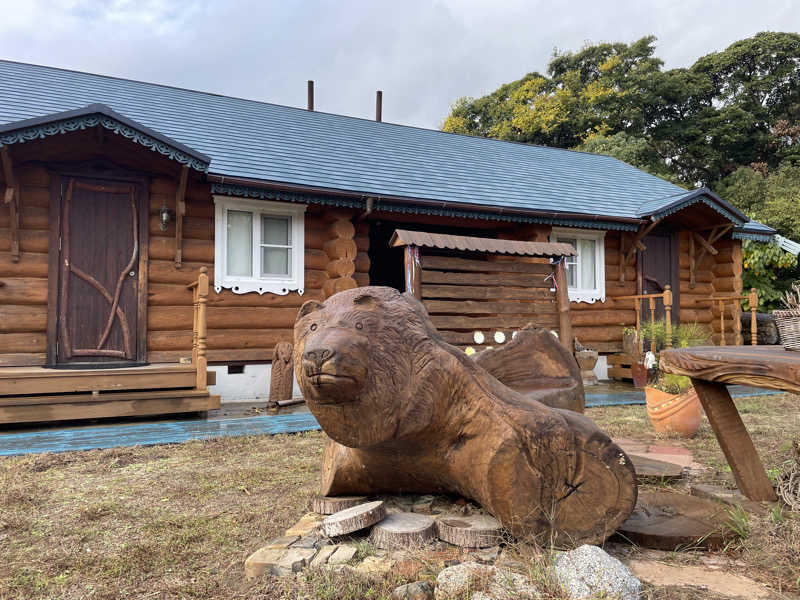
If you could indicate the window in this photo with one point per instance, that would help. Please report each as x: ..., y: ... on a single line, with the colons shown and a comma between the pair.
x: 258, y: 246
x: 586, y: 272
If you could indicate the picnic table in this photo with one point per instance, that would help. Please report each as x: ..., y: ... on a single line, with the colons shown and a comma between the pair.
x: 711, y: 369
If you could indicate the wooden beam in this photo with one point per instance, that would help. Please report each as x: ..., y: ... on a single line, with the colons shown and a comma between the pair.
x: 180, y: 210
x: 637, y: 241
x: 11, y: 198
x: 714, y: 236
x: 706, y: 244
x: 562, y: 301
x: 413, y: 272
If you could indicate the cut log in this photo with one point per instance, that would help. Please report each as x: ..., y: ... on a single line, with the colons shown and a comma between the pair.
x: 403, y: 530
x: 473, y: 531
x: 327, y: 505
x: 354, y: 518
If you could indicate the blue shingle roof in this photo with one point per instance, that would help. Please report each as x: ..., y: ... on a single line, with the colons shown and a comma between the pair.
x: 272, y: 143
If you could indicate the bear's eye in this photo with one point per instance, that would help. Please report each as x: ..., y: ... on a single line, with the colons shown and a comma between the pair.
x: 359, y: 325
x: 313, y: 327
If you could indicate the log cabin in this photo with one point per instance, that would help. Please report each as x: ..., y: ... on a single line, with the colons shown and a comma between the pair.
x: 157, y: 242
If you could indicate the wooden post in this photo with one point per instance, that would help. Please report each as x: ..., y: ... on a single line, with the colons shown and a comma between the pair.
x: 180, y: 211
x: 736, y: 315
x: 652, y: 322
x: 637, y: 306
x: 310, y: 95
x: 413, y: 280
x: 692, y: 265
x: 12, y: 199
x: 722, y: 323
x: 562, y: 300
x: 753, y: 301
x: 202, y: 299
x: 667, y: 297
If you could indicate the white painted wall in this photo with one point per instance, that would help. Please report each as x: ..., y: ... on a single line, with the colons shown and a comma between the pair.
x: 253, y: 384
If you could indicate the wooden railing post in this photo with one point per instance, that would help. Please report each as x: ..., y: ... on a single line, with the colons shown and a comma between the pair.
x: 562, y: 300
x: 637, y: 306
x: 202, y: 300
x: 668, y: 314
x: 752, y: 299
x: 652, y: 322
x: 736, y: 315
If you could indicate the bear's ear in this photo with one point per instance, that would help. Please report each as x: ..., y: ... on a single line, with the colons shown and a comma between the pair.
x: 309, y: 307
x: 366, y: 301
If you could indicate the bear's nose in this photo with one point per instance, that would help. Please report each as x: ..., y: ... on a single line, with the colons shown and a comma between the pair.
x: 318, y: 356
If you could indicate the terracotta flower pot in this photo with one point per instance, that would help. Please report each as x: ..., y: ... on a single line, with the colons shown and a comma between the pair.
x: 674, y: 413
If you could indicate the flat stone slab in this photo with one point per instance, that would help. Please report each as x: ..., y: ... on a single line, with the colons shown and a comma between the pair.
x: 403, y: 530
x: 719, y: 582
x: 668, y: 520
x: 263, y: 561
x: 321, y: 559
x: 308, y: 523
x: 343, y: 554
x: 646, y: 466
x: 327, y: 505
x: 295, y: 560
x: 470, y: 531
x: 354, y: 518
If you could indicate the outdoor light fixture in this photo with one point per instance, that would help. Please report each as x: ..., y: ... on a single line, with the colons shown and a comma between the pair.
x: 163, y: 215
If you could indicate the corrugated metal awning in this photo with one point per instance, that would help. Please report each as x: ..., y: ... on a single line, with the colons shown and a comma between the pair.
x: 403, y: 237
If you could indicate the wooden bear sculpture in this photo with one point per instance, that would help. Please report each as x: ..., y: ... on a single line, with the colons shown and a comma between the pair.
x: 408, y: 413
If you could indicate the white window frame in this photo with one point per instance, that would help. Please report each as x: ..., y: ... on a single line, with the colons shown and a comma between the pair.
x: 589, y: 295
x: 278, y: 284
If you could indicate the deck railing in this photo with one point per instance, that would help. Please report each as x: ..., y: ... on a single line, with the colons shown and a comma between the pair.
x: 666, y: 299
x: 735, y: 303
x: 199, y: 329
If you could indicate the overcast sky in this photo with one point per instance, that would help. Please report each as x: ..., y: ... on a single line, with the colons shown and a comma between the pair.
x: 422, y: 54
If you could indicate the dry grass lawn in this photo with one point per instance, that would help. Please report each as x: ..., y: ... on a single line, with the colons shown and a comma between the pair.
x: 178, y: 521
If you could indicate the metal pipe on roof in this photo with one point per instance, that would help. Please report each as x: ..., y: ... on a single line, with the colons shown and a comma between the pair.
x: 310, y: 94
x: 378, y: 105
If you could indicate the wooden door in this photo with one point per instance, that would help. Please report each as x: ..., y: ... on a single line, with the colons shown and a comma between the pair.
x: 100, y: 302
x: 659, y: 265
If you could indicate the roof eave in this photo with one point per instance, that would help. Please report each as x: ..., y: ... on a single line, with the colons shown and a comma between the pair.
x: 703, y: 194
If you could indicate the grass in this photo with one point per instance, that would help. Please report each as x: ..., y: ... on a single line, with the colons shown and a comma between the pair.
x: 177, y: 521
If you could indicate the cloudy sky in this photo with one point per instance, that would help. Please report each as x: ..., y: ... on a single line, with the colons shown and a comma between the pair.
x: 423, y: 54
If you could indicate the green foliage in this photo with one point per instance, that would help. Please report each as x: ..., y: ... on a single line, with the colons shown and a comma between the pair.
x: 683, y: 335
x: 672, y: 384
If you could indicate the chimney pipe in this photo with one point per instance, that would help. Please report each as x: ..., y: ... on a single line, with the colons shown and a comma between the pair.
x: 310, y: 94
x: 378, y: 105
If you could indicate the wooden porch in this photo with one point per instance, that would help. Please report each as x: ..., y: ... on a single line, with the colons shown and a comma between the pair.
x: 38, y: 394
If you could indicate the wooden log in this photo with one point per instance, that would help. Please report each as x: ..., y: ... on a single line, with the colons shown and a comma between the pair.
x: 362, y: 262
x: 340, y: 267
x: 16, y: 318
x: 169, y: 294
x: 22, y: 359
x: 494, y: 322
x: 403, y: 530
x: 224, y: 355
x: 31, y: 217
x: 22, y: 342
x: 362, y: 243
x: 448, y: 263
x: 341, y: 228
x: 340, y: 248
x: 176, y: 318
x: 491, y: 279
x: 35, y: 196
x: 315, y: 279
x: 362, y: 279
x: 699, y: 288
x: 164, y: 271
x: 316, y: 259
x: 590, y: 335
x: 218, y: 339
x: 334, y: 286
x: 282, y: 373
x: 31, y: 264
x: 23, y: 290
x: 163, y: 248
x: 472, y: 531
x: 327, y: 505
x: 467, y: 292
x: 603, y: 317
x: 193, y: 227
x: 472, y: 307
x: 30, y: 240
x: 354, y: 519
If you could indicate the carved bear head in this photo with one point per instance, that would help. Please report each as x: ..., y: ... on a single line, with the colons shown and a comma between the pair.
x: 363, y: 360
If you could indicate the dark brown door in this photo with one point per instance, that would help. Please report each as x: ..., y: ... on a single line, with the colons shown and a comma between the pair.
x: 99, y: 279
x: 659, y: 266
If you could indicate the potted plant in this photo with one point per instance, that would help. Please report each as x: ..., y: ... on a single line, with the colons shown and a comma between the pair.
x: 673, y: 406
x: 672, y: 403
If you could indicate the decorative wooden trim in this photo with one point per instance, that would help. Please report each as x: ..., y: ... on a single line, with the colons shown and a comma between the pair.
x: 11, y: 198
x: 180, y: 211
x: 637, y: 240
x: 200, y: 330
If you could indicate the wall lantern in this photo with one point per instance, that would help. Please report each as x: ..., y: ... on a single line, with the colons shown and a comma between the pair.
x: 163, y: 216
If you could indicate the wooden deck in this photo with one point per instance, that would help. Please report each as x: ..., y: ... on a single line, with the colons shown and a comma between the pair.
x: 32, y: 394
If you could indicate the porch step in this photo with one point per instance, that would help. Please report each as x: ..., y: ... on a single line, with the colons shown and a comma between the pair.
x: 38, y: 380
x: 29, y: 409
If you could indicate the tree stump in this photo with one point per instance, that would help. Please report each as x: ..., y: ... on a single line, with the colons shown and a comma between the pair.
x: 327, y: 505
x: 354, y: 518
x: 282, y: 376
x: 403, y: 530
x: 473, y: 531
